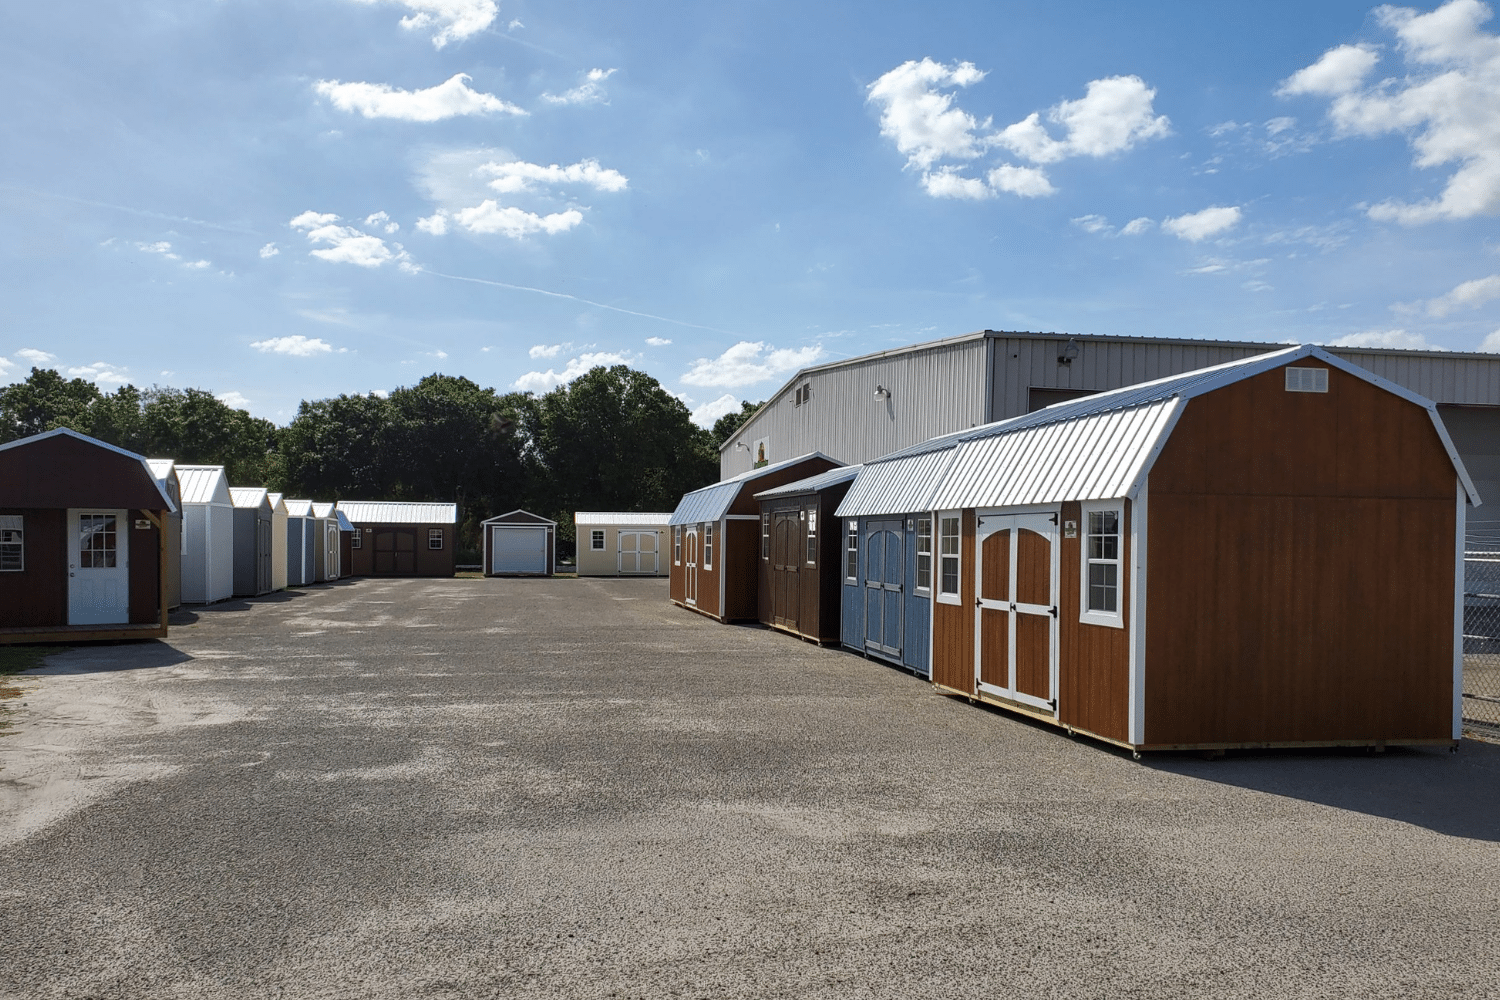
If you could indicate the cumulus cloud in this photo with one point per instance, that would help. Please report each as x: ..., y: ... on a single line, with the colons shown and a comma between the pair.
x: 547, y: 350
x: 382, y: 221
x: 436, y: 223
x: 1469, y: 295
x: 296, y: 346
x: 452, y: 20
x: 269, y: 250
x: 1387, y: 338
x: 35, y: 356
x: 919, y: 115
x: 1196, y: 226
x: 347, y: 245
x: 6, y: 365
x: 161, y: 246
x: 449, y: 99
x: 587, y: 92
x: 1446, y: 104
x: 453, y: 182
x: 550, y: 379
x: 749, y: 362
x: 658, y: 341
x: 234, y: 400
x: 101, y: 372
x: 1136, y: 227
x: 1100, y: 226
x: 490, y: 217
x: 705, y: 415
x: 198, y: 265
x: 518, y: 175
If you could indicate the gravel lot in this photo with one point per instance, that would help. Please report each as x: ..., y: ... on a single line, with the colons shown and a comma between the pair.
x: 569, y: 788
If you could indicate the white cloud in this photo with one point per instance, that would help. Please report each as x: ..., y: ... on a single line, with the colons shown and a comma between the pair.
x: 234, y: 400
x: 1136, y: 227
x: 6, y: 365
x: 198, y: 265
x: 1446, y: 104
x: 705, y: 415
x: 347, y: 245
x: 101, y: 372
x: 587, y: 92
x: 749, y: 362
x: 547, y: 350
x: 1276, y: 126
x: 1387, y: 338
x: 1114, y: 114
x: 490, y: 217
x: 454, y: 20
x: 519, y: 176
x: 1196, y: 226
x: 269, y: 250
x: 1093, y: 224
x: 449, y: 99
x: 658, y: 341
x: 436, y: 224
x: 1258, y: 286
x: 549, y: 379
x: 381, y: 393
x: 1028, y: 182
x: 1469, y: 295
x: 946, y: 182
x: 922, y: 120
x: 296, y: 345
x: 382, y: 221
x: 162, y: 247
x: 35, y: 356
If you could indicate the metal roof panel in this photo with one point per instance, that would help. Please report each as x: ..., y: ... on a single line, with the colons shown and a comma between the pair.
x: 398, y: 512
x: 205, y: 484
x: 812, y: 484
x: 588, y: 517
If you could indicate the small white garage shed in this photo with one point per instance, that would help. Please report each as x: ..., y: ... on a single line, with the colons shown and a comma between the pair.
x: 520, y: 544
x: 621, y: 543
x: 207, y: 534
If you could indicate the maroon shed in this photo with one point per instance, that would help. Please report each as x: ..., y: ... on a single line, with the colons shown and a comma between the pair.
x: 801, y: 550
x: 82, y: 551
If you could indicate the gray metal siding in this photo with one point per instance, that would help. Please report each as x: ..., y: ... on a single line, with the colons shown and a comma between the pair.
x: 932, y: 392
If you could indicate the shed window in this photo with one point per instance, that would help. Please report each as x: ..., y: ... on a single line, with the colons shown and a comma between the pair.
x: 924, y: 553
x: 97, y: 541
x: 812, y: 536
x: 677, y: 545
x: 1101, y: 566
x: 765, y: 535
x: 12, y: 543
x: 948, y: 553
x: 708, y: 546
x: 434, y: 538
x: 596, y: 540
x: 356, y: 539
x: 851, y: 552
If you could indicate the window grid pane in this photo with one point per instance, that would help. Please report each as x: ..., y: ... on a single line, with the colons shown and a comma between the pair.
x: 96, y: 541
x: 852, y: 567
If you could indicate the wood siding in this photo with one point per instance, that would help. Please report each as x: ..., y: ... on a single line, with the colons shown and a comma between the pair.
x: 425, y: 562
x: 741, y: 570
x: 38, y: 595
x: 145, y: 570
x: 1093, y: 660
x: 64, y: 472
x: 816, y: 610
x: 1301, y: 571
x: 953, y: 624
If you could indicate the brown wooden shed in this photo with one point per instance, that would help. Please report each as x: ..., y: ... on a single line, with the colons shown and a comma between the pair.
x: 83, y: 553
x: 398, y: 538
x: 715, y: 540
x: 1264, y: 553
x: 801, y: 555
x: 519, y: 543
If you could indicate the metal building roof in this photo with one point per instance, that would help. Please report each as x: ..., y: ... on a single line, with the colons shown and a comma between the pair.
x: 897, y: 486
x: 812, y: 483
x: 398, y: 512
x: 711, y: 502
x: 322, y: 509
x: 587, y: 517
x: 247, y: 496
x: 299, y: 508
x: 203, y: 484
x: 275, y: 500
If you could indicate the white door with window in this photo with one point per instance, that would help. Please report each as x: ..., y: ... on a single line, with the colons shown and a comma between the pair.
x: 638, y: 552
x: 1015, y: 627
x: 98, y: 567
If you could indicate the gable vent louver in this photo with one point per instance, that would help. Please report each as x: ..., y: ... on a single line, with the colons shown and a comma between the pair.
x: 1306, y: 379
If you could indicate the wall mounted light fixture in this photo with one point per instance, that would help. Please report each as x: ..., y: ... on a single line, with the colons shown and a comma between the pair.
x: 881, y: 392
x: 1069, y: 353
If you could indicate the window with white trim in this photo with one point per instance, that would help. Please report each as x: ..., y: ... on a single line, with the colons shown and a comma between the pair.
x: 765, y: 535
x: 12, y: 543
x: 812, y: 536
x: 708, y: 546
x: 1101, y: 565
x: 596, y: 540
x: 851, y: 552
x: 948, y: 568
x: 677, y: 545
x: 924, y: 553
x: 356, y: 539
x: 434, y: 538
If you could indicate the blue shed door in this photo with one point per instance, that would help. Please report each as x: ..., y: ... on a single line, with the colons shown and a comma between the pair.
x: 884, y: 586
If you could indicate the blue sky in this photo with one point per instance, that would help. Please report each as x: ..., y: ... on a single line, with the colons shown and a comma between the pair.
x: 278, y: 201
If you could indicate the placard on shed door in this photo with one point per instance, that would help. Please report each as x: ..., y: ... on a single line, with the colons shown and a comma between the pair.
x: 1015, y: 631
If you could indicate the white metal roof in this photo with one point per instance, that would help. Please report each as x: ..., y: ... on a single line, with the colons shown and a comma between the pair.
x: 205, y: 484
x: 299, y: 508
x: 275, y: 501
x: 812, y: 484
x: 897, y: 486
x: 588, y: 517
x: 1101, y: 446
x: 247, y: 496
x: 398, y: 512
x: 161, y: 468
x: 322, y: 509
x: 711, y: 502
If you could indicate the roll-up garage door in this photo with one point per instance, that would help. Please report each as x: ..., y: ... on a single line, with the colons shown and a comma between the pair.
x: 518, y: 550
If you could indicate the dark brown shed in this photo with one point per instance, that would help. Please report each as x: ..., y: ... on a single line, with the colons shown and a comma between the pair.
x: 398, y: 538
x: 801, y: 555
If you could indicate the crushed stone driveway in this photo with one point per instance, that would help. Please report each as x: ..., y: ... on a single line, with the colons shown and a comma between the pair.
x: 570, y: 788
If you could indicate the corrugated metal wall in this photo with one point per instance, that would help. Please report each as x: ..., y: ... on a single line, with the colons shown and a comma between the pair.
x: 931, y: 392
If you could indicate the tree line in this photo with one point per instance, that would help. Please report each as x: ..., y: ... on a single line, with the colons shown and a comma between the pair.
x: 613, y: 439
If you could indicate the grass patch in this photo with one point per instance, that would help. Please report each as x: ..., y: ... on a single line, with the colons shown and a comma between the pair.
x: 14, y: 659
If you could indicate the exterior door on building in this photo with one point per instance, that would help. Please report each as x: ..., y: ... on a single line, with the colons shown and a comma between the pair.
x: 98, y: 567
x: 638, y: 552
x: 690, y: 565
x: 262, y: 557
x: 1015, y: 630
x: 395, y: 553
x: 885, y: 585
x: 786, y: 560
x: 517, y: 549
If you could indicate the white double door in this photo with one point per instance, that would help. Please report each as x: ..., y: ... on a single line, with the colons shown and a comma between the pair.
x: 638, y: 552
x: 98, y: 567
x: 1016, y: 625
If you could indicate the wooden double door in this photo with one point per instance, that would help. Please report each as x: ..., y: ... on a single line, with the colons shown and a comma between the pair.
x: 787, y: 549
x: 885, y: 586
x: 1016, y: 629
x: 395, y: 552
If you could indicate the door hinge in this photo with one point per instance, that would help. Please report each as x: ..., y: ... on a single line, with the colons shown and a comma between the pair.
x: 1052, y: 703
x: 976, y: 602
x: 1054, y: 611
x: 1053, y: 518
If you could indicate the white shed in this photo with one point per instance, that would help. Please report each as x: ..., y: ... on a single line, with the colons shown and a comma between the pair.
x: 329, y: 562
x: 621, y: 543
x: 278, y: 541
x: 207, y: 534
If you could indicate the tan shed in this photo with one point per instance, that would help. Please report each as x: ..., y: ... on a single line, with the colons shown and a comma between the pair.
x: 621, y: 543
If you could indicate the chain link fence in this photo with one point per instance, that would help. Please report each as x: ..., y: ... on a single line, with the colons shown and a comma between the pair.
x: 1481, y: 702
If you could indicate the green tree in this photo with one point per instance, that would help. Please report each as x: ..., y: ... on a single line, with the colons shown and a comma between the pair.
x: 337, y: 448
x: 195, y: 428
x: 46, y: 401
x: 726, y: 425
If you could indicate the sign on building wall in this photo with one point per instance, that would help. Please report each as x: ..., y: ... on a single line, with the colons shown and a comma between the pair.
x: 760, y: 452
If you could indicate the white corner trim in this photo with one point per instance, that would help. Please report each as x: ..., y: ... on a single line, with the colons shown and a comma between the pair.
x: 1137, y: 614
x: 1459, y: 530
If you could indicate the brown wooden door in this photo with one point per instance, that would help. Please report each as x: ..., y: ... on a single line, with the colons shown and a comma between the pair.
x: 1016, y: 630
x: 786, y: 558
x: 395, y: 553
